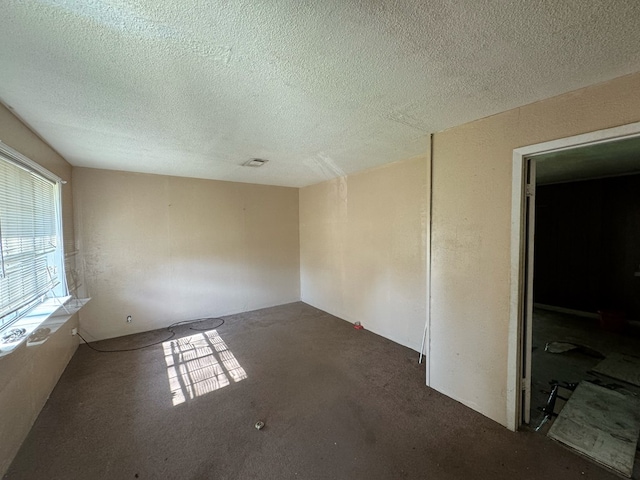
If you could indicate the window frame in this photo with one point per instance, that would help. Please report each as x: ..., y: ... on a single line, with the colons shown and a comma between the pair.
x: 38, y: 309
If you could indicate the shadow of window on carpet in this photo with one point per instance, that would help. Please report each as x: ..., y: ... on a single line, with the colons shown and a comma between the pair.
x: 199, y: 364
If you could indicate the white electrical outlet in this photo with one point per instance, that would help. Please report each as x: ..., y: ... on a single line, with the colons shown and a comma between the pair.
x: 128, y: 318
x: 74, y: 331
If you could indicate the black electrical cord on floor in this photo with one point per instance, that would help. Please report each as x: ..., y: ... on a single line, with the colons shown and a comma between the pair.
x: 169, y: 328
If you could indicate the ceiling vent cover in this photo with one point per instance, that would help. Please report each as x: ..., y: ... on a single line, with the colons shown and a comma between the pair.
x: 255, y: 162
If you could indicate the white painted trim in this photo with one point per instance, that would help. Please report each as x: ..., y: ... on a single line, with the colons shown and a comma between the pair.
x: 517, y: 223
x: 27, y: 163
x: 601, y: 136
x: 429, y: 224
x: 527, y: 265
x: 515, y: 322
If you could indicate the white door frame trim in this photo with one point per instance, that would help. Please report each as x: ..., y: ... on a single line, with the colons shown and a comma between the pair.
x: 515, y: 375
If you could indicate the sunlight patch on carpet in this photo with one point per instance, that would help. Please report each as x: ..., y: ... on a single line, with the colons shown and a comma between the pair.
x: 199, y: 364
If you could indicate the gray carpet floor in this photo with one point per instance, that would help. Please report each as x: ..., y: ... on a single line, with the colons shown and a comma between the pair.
x: 337, y: 403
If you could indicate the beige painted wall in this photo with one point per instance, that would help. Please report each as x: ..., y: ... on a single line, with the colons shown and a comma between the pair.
x: 363, y: 246
x: 166, y: 249
x: 29, y: 373
x: 472, y: 169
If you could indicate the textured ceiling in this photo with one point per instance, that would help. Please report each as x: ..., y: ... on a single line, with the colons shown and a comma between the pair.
x: 608, y: 159
x: 320, y: 88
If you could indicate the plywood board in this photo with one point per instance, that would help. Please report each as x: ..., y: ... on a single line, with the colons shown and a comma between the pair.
x: 602, y: 424
x: 621, y: 367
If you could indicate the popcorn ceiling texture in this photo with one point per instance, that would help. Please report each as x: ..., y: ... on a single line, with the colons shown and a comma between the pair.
x: 321, y: 89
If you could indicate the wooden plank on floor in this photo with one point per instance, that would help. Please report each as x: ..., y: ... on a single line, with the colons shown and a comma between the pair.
x: 622, y: 367
x: 602, y: 424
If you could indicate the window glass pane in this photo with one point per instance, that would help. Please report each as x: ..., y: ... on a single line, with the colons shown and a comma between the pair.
x: 29, y: 239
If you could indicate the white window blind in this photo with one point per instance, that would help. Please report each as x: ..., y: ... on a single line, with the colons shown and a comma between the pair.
x: 30, y: 239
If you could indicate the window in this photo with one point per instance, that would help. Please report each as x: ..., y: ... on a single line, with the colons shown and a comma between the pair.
x: 31, y: 253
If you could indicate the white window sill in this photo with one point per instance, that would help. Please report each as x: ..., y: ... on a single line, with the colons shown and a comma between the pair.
x: 41, y: 322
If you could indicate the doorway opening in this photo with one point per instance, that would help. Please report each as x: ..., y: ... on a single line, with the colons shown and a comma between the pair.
x: 576, y: 292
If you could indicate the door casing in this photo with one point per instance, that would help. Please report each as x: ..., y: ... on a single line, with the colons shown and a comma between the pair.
x: 520, y: 317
